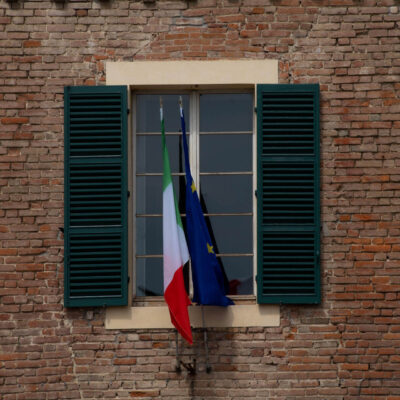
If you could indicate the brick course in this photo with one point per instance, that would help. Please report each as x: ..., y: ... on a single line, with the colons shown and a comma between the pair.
x: 346, y: 348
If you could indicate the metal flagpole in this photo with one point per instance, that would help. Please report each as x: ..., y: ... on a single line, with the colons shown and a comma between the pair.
x: 178, y: 356
x: 208, y: 366
x: 191, y: 368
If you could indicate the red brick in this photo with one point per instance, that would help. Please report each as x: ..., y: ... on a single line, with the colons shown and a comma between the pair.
x: 32, y: 43
x: 351, y: 50
x: 14, y: 120
x: 147, y: 393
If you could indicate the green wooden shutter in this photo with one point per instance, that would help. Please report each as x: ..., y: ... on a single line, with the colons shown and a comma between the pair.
x: 288, y: 228
x: 95, y: 229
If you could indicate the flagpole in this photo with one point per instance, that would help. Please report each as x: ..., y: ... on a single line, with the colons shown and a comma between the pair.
x: 178, y: 356
x: 208, y: 366
x: 175, y: 251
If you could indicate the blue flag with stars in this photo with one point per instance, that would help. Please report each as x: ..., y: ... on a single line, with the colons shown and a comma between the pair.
x: 207, y: 275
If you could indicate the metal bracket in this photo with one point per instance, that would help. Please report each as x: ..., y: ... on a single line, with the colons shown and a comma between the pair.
x: 191, y: 368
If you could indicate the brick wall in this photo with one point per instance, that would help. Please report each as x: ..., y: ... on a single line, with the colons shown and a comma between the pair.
x: 346, y: 348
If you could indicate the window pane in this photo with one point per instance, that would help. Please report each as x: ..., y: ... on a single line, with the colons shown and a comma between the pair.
x: 148, y: 112
x: 226, y: 153
x: 226, y: 193
x: 230, y: 112
x: 149, y: 193
x: 149, y: 277
x: 239, y: 271
x: 149, y: 240
x: 148, y: 236
x: 149, y: 153
x: 232, y: 234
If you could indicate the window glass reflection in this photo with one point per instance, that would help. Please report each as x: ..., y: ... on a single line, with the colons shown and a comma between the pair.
x: 228, y: 112
x: 148, y: 112
x: 149, y: 277
x: 148, y: 235
x: 149, y: 193
x: 231, y: 234
x: 239, y: 271
x: 149, y: 153
x: 226, y: 153
x: 226, y: 193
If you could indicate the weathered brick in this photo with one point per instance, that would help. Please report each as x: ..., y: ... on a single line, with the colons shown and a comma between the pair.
x: 352, y: 50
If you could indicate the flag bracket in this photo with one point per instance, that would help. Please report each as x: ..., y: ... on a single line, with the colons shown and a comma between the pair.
x: 208, y: 366
x: 191, y: 368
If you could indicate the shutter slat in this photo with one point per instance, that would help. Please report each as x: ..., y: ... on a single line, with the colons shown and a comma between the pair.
x: 293, y: 114
x: 95, y: 196
x: 288, y: 193
x: 90, y: 118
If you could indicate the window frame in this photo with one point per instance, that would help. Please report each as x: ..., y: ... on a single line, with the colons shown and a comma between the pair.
x: 194, y: 159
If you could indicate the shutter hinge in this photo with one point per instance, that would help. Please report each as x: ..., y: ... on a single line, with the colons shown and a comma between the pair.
x: 255, y: 110
x: 127, y: 111
x: 129, y: 279
x: 129, y: 194
x: 255, y: 193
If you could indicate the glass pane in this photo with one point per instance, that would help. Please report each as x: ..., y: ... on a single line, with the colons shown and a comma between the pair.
x: 226, y: 193
x: 149, y: 193
x: 149, y: 277
x: 148, y: 112
x: 232, y: 234
x: 239, y: 271
x: 149, y: 236
x: 229, y: 112
x: 149, y: 153
x: 226, y: 153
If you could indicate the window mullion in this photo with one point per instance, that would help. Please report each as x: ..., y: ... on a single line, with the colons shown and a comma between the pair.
x: 195, y: 140
x: 194, y: 153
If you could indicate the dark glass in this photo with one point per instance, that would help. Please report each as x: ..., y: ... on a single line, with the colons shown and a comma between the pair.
x: 227, y: 193
x: 228, y: 112
x: 148, y: 112
x: 232, y: 234
x: 149, y: 193
x: 149, y: 157
x: 149, y: 277
x: 226, y: 153
x: 149, y: 235
x: 239, y: 271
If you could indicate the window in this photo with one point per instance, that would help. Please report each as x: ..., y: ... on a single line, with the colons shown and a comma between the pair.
x: 220, y: 133
x: 284, y: 172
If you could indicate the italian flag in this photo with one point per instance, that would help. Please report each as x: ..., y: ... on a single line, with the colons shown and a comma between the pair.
x: 176, y: 253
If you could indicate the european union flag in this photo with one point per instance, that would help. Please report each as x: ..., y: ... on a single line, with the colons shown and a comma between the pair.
x: 207, y: 275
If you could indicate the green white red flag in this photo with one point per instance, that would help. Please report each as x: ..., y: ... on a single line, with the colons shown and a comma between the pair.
x: 175, y: 251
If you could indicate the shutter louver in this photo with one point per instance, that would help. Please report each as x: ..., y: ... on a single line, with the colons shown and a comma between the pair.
x: 95, y: 196
x: 288, y: 194
x: 95, y: 264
